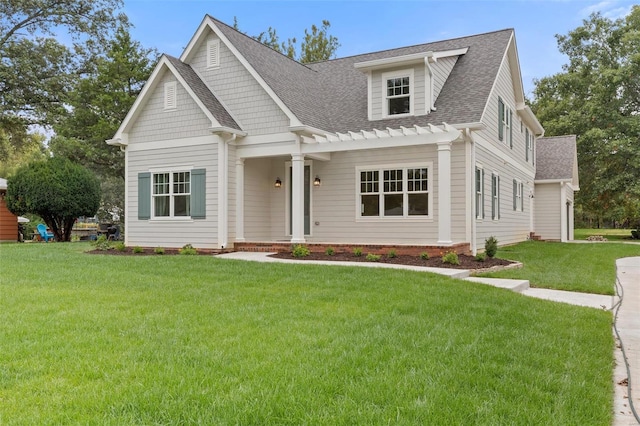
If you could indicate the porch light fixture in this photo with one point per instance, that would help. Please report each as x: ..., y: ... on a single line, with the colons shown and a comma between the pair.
x: 278, y: 183
x: 316, y: 181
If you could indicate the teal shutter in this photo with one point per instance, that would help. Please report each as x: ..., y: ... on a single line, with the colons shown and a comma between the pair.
x: 510, y: 129
x: 144, y: 196
x: 515, y: 193
x: 493, y: 196
x: 198, y: 194
x: 500, y: 119
x: 498, y: 190
x: 527, y: 144
x: 482, y: 179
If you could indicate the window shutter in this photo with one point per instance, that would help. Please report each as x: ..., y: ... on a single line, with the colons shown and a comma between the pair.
x: 498, y: 190
x: 510, y: 129
x: 198, y: 194
x: 500, y: 119
x: 521, y: 196
x: 482, y: 180
x: 527, y: 143
x: 515, y: 195
x: 144, y: 196
x: 493, y: 196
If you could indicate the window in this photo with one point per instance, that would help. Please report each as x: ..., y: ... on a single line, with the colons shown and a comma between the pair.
x: 505, y: 123
x: 213, y: 53
x: 398, y: 93
x: 479, y: 193
x: 518, y: 204
x: 495, y: 197
x: 170, y: 96
x: 171, y: 194
x: 394, y: 191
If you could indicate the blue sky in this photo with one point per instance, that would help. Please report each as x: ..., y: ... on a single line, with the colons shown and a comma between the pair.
x: 365, y: 26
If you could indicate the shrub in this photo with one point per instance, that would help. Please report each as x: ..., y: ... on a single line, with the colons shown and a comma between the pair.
x: 300, y: 251
x: 373, y: 257
x: 491, y: 246
x: 451, y: 257
x: 158, y: 250
x: 188, y: 250
x: 101, y: 243
x: 357, y: 251
x: 329, y: 251
x: 481, y: 257
x: 424, y: 255
x: 120, y: 246
x: 138, y: 249
x: 392, y: 253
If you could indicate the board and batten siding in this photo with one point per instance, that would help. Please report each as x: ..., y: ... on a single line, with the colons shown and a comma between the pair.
x: 239, y: 92
x: 512, y: 226
x: 155, y: 124
x: 201, y: 233
x: 547, y: 218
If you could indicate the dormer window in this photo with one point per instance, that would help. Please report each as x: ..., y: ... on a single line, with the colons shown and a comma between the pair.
x: 398, y: 93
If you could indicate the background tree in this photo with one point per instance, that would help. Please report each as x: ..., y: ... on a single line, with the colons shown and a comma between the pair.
x: 55, y: 189
x: 317, y: 45
x: 597, y: 98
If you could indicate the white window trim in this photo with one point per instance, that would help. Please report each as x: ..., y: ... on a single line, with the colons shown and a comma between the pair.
x: 213, y: 63
x: 405, y: 217
x: 170, y: 103
x: 519, y: 196
x: 412, y: 95
x: 507, y: 117
x: 495, y: 198
x: 171, y: 171
x: 479, y: 212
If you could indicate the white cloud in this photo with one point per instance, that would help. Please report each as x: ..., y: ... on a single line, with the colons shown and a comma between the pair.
x: 608, y: 9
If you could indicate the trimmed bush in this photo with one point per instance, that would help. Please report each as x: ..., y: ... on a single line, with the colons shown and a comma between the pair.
x: 158, y: 250
x: 300, y: 251
x: 120, y: 246
x: 357, y: 251
x: 392, y: 253
x: 188, y: 250
x: 373, y: 257
x: 481, y: 257
x: 491, y: 246
x: 138, y: 249
x: 329, y: 251
x: 451, y: 257
x: 424, y: 255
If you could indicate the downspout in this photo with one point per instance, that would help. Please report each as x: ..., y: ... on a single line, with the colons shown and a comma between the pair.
x: 472, y: 193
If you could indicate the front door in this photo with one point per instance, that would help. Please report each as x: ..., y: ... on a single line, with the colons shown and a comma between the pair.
x: 307, y: 200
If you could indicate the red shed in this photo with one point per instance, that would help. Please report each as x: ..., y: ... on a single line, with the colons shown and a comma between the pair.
x: 8, y: 221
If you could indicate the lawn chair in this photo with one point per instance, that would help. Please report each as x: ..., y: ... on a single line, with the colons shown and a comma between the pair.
x: 113, y: 233
x: 44, y: 234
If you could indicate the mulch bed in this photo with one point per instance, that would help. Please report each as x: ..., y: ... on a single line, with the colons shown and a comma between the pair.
x: 129, y: 252
x: 466, y: 262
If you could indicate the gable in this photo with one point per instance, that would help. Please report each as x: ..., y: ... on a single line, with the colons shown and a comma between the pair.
x: 154, y: 123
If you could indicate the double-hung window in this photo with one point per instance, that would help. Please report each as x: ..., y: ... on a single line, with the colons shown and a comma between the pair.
x: 398, y: 93
x: 505, y: 121
x: 171, y: 194
x: 495, y: 197
x: 394, y: 191
x: 479, y: 193
x: 518, y: 204
x: 528, y: 137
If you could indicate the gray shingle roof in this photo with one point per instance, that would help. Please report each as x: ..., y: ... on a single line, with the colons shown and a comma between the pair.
x: 332, y: 95
x: 555, y: 157
x: 203, y: 93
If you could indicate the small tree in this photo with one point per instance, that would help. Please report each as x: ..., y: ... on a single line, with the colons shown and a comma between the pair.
x: 57, y: 190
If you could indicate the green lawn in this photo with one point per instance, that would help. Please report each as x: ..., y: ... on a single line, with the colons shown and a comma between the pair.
x: 587, y: 268
x: 112, y: 340
x: 609, y: 234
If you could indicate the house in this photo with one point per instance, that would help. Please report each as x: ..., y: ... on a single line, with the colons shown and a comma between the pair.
x: 426, y: 147
x: 555, y: 182
x: 8, y: 221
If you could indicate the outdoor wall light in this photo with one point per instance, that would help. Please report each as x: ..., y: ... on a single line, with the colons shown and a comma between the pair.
x: 278, y: 183
x: 316, y: 181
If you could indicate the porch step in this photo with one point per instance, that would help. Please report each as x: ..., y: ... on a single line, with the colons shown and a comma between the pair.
x: 518, y: 286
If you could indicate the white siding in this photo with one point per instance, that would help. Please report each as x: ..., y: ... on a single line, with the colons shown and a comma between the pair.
x: 201, y: 233
x: 547, y: 217
x: 441, y: 71
x: 154, y: 123
x: 513, y: 226
x: 334, y: 203
x: 239, y: 92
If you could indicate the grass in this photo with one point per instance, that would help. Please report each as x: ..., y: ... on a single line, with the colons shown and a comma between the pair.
x: 587, y: 268
x: 113, y: 340
x: 610, y: 234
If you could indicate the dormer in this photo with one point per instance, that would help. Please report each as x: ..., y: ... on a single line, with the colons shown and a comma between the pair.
x: 406, y: 85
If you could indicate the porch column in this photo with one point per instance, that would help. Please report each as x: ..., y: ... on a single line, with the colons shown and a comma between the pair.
x: 297, y: 198
x: 240, y: 199
x: 444, y: 193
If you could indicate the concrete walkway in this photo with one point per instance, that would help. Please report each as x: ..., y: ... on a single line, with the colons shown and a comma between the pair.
x: 628, y: 317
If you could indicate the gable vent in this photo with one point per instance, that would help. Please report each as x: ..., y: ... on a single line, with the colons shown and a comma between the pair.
x: 170, y: 96
x: 213, y: 53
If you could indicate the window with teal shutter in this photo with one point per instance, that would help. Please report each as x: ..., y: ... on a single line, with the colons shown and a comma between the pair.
x: 510, y: 129
x: 515, y: 195
x: 144, y: 196
x: 198, y: 194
